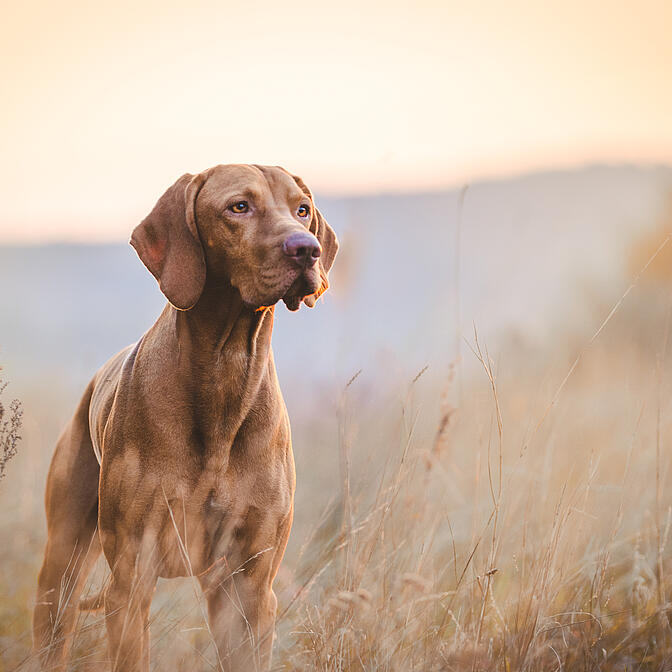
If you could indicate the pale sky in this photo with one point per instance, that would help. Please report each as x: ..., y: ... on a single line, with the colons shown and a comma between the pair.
x: 104, y: 106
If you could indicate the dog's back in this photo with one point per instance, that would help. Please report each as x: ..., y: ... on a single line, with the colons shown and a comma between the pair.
x: 105, y: 384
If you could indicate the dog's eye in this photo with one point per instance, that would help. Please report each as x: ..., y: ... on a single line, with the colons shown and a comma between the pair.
x: 239, y: 207
x: 303, y: 211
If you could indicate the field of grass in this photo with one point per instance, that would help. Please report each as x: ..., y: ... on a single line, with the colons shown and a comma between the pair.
x: 512, y: 512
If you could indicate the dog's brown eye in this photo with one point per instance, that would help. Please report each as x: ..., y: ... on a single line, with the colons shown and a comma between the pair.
x: 303, y: 211
x: 239, y: 207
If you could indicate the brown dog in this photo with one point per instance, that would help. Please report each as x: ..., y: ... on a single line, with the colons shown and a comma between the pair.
x: 196, y: 472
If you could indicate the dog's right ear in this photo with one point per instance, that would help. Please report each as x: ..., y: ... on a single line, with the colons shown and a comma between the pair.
x: 168, y: 243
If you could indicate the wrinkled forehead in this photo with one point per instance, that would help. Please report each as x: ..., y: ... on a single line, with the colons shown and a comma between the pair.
x: 251, y: 182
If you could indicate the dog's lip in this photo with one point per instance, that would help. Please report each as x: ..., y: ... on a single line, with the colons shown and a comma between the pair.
x: 291, y: 290
x: 292, y: 301
x: 309, y: 284
x: 290, y: 278
x: 306, y: 288
x: 301, y: 285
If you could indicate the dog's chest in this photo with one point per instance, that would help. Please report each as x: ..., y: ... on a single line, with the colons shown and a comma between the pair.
x: 238, y: 501
x: 228, y: 518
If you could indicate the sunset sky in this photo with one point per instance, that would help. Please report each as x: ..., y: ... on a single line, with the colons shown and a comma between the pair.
x: 105, y: 105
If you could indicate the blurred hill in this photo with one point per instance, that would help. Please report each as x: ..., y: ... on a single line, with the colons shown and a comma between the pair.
x: 524, y: 255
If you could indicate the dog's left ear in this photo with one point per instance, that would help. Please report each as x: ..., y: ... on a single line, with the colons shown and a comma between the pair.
x: 325, y: 234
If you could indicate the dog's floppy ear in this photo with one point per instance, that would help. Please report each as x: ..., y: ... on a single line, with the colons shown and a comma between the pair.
x: 325, y: 234
x: 168, y: 243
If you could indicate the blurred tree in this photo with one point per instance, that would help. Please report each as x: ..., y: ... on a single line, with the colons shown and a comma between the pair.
x: 9, y: 429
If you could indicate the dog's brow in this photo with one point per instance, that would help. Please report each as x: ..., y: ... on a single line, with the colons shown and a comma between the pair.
x: 294, y: 197
x: 245, y: 194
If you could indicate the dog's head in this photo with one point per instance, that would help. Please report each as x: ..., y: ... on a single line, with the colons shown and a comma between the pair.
x: 255, y: 227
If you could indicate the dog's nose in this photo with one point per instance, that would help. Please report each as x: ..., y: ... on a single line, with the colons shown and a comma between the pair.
x: 303, y: 247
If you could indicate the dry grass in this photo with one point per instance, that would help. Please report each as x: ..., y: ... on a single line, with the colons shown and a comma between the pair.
x: 521, y: 522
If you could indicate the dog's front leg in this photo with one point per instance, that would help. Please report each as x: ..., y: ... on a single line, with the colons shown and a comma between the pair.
x: 127, y: 602
x: 241, y: 613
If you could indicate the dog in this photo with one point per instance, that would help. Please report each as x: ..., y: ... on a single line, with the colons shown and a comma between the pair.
x: 178, y: 460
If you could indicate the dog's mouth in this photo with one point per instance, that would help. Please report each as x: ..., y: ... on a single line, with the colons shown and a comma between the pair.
x: 295, y: 285
x: 305, y: 284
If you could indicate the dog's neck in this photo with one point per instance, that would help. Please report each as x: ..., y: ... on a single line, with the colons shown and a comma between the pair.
x: 220, y: 321
x: 224, y: 349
